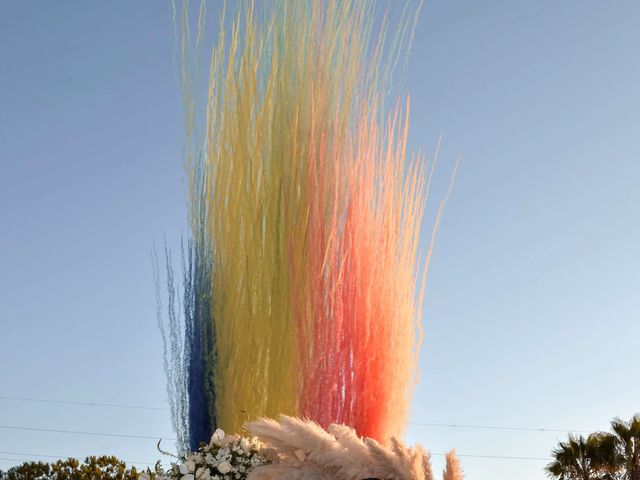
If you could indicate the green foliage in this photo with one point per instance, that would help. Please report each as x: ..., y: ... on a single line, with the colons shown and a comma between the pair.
x: 579, y: 457
x: 93, y: 468
x: 601, y: 455
x: 627, y: 445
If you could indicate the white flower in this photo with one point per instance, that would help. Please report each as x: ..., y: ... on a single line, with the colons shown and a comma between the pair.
x: 224, y: 467
x: 223, y: 455
x: 184, y: 469
x: 245, y: 444
x: 144, y: 476
x: 188, y: 476
x: 203, y: 473
x: 218, y: 437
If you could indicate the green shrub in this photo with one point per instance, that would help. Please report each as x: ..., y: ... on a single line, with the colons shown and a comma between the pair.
x: 93, y: 468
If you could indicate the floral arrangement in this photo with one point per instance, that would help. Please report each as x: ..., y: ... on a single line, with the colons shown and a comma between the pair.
x: 225, y: 457
x: 291, y: 448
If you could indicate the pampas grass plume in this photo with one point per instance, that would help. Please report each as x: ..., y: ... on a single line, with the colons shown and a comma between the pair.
x: 453, y: 470
x: 300, y: 448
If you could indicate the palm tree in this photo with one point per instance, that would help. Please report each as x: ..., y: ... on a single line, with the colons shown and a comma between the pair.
x: 612, y: 466
x: 581, y: 458
x: 627, y: 445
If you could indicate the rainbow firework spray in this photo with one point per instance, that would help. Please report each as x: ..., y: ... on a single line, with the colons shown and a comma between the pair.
x: 303, y: 278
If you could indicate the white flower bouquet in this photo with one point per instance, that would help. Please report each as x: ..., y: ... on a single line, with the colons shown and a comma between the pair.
x: 225, y: 457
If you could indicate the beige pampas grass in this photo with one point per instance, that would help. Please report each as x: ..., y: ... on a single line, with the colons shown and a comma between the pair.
x: 426, y: 466
x: 453, y: 470
x: 301, y: 449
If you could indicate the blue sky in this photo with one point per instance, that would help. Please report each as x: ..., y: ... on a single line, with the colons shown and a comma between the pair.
x: 531, y: 309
